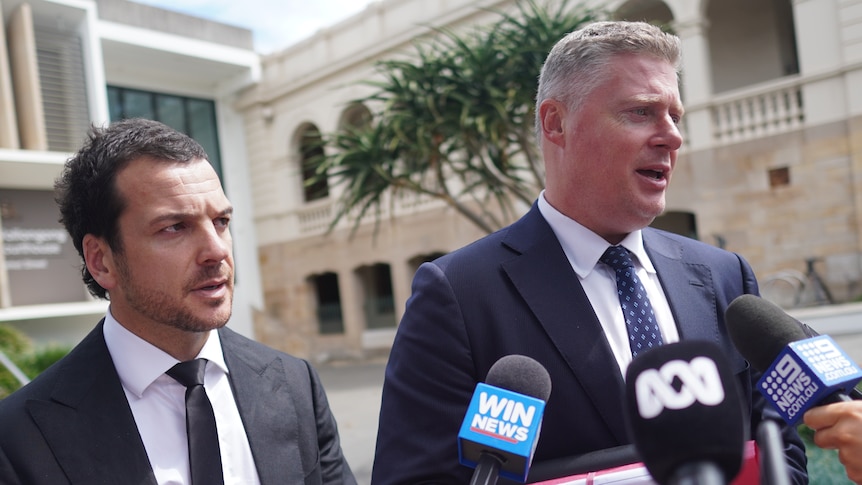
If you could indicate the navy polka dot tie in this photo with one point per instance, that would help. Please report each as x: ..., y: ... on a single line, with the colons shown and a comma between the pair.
x: 641, y: 323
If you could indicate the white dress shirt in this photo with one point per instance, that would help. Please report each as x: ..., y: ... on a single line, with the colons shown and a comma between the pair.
x: 583, y: 248
x: 158, y: 405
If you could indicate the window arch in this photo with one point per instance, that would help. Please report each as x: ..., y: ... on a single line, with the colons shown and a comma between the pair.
x: 311, y: 150
x: 356, y: 116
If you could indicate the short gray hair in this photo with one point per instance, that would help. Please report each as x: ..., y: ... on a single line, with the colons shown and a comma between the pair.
x: 575, y: 65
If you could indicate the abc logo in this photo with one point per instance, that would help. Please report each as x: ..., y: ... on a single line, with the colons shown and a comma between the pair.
x: 700, y: 380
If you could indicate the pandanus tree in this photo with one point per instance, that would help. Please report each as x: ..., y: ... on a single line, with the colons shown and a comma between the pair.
x: 453, y: 121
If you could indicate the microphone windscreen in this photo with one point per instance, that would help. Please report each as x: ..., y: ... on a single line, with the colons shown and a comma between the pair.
x: 683, y: 407
x: 760, y: 330
x: 521, y: 374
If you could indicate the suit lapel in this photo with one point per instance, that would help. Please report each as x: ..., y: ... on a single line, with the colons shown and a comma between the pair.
x: 550, y: 287
x: 89, y: 408
x: 688, y: 285
x: 267, y: 410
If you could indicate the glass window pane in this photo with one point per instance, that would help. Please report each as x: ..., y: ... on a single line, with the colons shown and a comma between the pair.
x: 170, y: 111
x: 138, y: 104
x: 194, y: 117
x: 202, y: 127
x: 115, y: 104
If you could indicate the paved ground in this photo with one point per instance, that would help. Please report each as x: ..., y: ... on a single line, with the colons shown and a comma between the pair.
x: 354, y: 395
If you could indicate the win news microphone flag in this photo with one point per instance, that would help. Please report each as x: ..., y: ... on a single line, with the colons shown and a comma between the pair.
x: 684, y: 414
x: 501, y: 428
x: 799, y: 372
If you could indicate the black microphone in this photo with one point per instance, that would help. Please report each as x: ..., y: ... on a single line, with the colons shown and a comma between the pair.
x: 800, y: 371
x: 773, y: 465
x: 501, y: 428
x: 685, y: 415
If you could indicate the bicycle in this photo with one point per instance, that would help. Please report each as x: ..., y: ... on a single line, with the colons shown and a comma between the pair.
x: 791, y: 288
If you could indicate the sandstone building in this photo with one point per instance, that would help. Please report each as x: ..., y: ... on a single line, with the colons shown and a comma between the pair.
x: 770, y: 167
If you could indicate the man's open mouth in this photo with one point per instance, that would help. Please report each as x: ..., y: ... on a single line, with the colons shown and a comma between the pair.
x: 653, y: 174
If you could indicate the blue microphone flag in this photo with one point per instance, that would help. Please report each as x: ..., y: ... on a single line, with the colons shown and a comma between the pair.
x: 804, y: 373
x: 504, y: 423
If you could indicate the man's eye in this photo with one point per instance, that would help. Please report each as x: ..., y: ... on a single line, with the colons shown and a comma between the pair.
x: 222, y: 221
x: 174, y: 228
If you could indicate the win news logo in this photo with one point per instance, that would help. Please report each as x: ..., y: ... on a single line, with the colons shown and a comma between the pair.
x: 805, y: 372
x: 503, y: 417
x: 505, y: 423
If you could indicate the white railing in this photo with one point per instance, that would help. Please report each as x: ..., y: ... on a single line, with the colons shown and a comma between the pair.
x: 315, y: 218
x: 768, y: 109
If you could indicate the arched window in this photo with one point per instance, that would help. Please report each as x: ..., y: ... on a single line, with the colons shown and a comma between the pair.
x: 314, y: 187
x: 356, y: 116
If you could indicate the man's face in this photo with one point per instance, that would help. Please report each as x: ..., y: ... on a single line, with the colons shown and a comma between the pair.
x: 175, y: 268
x: 616, y: 154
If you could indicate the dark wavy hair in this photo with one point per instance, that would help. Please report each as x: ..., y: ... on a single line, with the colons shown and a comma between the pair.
x: 86, y: 190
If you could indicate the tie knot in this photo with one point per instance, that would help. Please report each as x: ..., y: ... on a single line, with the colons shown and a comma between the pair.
x: 617, y: 257
x: 189, y: 373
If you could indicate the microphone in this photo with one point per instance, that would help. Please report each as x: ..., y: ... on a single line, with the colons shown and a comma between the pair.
x: 501, y: 428
x: 855, y: 394
x: 799, y: 371
x: 684, y: 414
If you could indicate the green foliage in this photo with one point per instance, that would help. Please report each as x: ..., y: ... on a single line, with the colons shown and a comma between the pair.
x: 13, y: 341
x: 31, y: 361
x: 453, y: 121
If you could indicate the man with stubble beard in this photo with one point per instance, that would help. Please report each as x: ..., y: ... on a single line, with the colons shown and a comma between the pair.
x: 147, y: 214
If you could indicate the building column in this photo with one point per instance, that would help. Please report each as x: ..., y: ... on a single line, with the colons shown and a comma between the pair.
x: 352, y: 300
x: 25, y: 73
x: 696, y: 80
x: 402, y: 278
x: 8, y: 119
x: 5, y: 294
x: 820, y: 52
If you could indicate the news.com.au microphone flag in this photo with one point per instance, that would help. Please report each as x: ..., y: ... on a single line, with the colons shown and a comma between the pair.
x: 684, y: 413
x: 502, y: 424
x: 799, y: 372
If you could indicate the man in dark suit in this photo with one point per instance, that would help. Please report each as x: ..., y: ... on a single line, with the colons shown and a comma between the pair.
x: 147, y: 213
x: 607, y: 114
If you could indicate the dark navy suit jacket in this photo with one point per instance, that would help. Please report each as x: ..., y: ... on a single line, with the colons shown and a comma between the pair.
x: 73, y: 424
x: 514, y: 292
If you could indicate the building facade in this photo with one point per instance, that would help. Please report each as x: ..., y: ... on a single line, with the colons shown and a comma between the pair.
x: 771, y: 167
x: 66, y: 64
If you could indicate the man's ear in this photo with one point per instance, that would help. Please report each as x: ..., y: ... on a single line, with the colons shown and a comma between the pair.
x: 100, y: 261
x: 552, y: 115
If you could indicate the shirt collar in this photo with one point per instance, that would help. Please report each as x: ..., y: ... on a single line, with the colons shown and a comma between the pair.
x: 139, y: 363
x: 583, y: 247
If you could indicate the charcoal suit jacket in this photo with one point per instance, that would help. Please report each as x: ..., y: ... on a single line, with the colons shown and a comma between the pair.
x: 73, y: 424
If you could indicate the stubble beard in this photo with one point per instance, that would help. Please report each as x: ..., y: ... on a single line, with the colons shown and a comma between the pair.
x: 163, y: 308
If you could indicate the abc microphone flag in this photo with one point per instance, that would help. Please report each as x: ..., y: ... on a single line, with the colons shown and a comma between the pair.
x: 502, y: 424
x: 798, y: 372
x: 684, y: 413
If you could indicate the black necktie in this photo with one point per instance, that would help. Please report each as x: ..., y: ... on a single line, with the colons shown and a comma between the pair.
x: 640, y: 319
x: 204, y: 456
